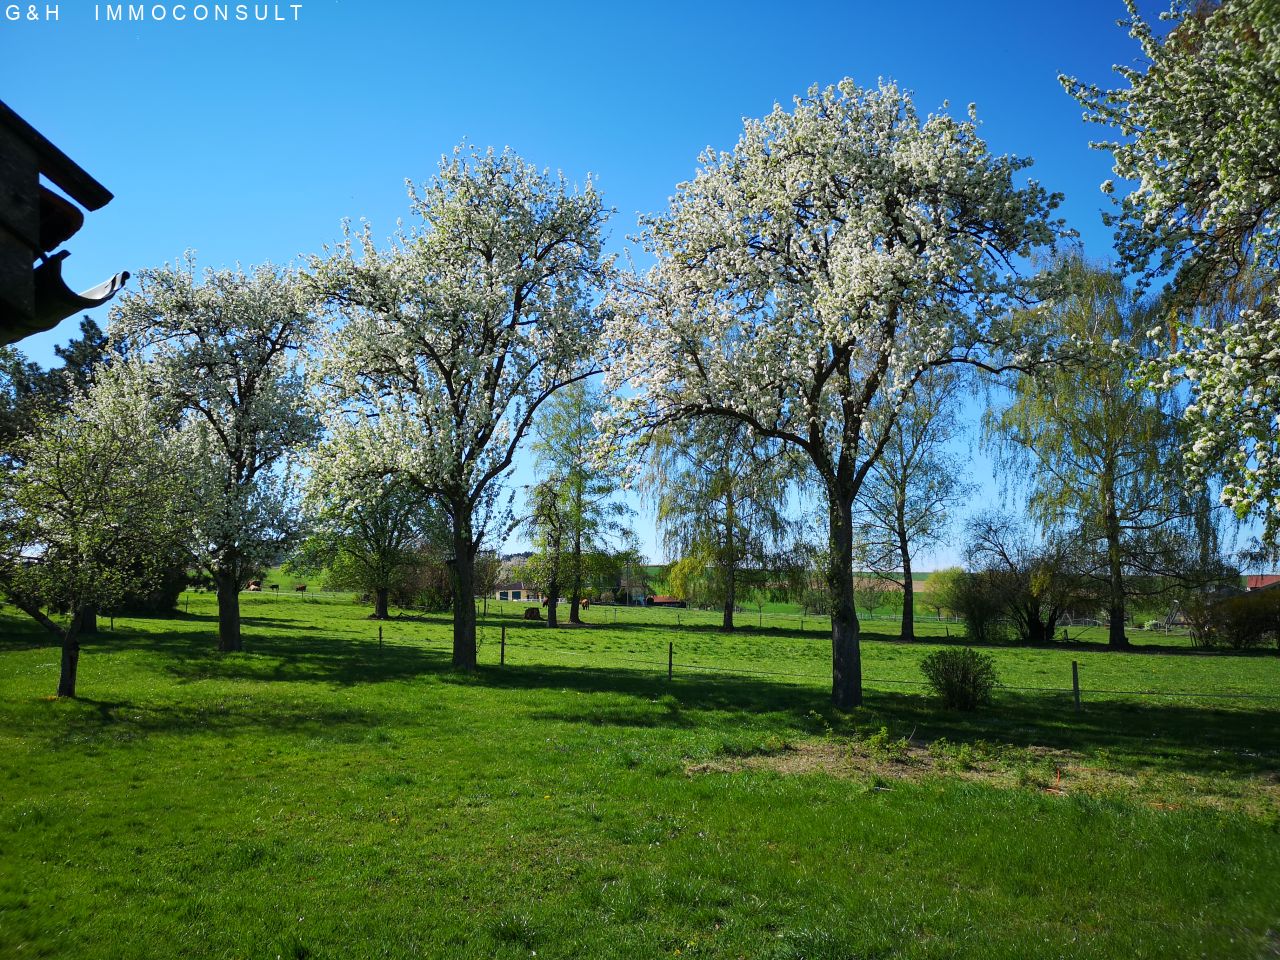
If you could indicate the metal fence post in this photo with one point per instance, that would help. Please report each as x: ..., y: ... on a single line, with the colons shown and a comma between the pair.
x: 1075, y: 682
x: 671, y: 658
x: 502, y: 648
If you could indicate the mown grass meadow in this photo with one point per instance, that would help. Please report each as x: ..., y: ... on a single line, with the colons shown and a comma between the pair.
x: 320, y: 795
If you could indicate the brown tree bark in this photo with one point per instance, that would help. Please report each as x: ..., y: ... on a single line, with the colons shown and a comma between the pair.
x: 381, y: 604
x: 730, y: 568
x: 908, y: 587
x: 846, y: 654
x: 553, y: 601
x: 70, y: 656
x: 1116, y: 638
x: 227, y: 581
x: 575, y: 581
x: 464, y: 573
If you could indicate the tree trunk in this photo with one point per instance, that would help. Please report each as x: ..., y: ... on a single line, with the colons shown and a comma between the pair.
x: 464, y: 573
x: 1116, y: 638
x: 575, y: 581
x: 228, y: 584
x: 908, y: 587
x: 553, y: 601
x: 70, y: 656
x: 846, y: 657
x: 730, y: 568
x: 730, y: 598
x: 381, y: 596
x: 89, y: 620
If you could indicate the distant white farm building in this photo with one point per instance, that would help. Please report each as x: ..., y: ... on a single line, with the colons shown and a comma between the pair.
x: 516, y: 590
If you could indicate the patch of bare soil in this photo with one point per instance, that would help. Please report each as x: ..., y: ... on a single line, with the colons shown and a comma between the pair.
x: 1057, y: 772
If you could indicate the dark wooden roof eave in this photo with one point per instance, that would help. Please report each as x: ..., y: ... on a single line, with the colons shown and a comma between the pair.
x: 64, y: 172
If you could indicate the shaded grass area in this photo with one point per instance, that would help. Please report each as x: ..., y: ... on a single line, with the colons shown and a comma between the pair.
x: 321, y: 796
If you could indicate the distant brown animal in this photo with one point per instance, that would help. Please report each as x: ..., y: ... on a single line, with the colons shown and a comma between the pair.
x: 275, y: 587
x: 532, y: 613
x: 254, y: 586
x: 584, y: 604
x: 300, y: 588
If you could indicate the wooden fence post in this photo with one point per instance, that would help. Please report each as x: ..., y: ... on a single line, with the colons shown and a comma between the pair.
x: 671, y: 658
x: 1075, y: 682
x: 379, y: 636
x: 502, y: 648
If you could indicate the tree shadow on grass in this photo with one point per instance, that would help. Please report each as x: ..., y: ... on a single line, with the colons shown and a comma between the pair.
x: 1143, y: 645
x: 87, y: 722
x: 1193, y: 738
x: 1188, y: 736
x: 307, y: 660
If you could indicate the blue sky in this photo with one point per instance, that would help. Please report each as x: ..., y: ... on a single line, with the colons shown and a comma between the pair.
x: 251, y: 141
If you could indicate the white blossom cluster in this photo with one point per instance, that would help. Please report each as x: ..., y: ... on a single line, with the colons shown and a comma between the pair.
x: 1233, y: 418
x: 223, y: 349
x: 840, y: 249
x: 1198, y: 133
x: 99, y: 498
x: 1199, y: 128
x: 446, y: 342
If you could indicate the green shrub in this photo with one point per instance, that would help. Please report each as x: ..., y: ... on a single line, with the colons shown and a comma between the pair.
x: 978, y: 600
x: 961, y: 676
x: 1248, y: 620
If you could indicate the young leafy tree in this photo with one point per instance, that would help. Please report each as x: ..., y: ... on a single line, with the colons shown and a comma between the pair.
x: 549, y: 521
x: 582, y: 468
x: 721, y: 495
x: 27, y: 392
x: 488, y: 571
x: 93, y: 511
x: 906, y: 502
x: 1036, y: 580
x: 1097, y: 453
x: 454, y: 337
x: 370, y: 533
x: 810, y: 276
x: 943, y: 589
x: 1197, y: 133
x: 225, y: 350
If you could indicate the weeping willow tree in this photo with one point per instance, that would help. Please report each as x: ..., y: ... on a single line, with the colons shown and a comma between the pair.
x: 720, y: 496
x: 1099, y: 453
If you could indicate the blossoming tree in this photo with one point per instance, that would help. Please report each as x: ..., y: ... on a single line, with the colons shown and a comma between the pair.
x: 1197, y: 134
x: 225, y: 352
x: 94, y: 509
x: 816, y: 271
x: 454, y: 337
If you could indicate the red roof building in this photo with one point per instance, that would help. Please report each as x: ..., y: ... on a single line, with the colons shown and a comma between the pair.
x: 1256, y: 581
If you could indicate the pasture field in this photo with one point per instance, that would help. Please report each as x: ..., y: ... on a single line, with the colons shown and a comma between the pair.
x: 324, y: 795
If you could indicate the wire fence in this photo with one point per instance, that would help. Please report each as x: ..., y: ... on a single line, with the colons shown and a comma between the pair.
x: 1071, y: 628
x: 536, y: 654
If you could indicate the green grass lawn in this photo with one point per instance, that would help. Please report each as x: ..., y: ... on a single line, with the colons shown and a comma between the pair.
x: 321, y: 796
